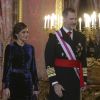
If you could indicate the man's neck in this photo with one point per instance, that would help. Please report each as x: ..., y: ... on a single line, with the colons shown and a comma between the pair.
x: 68, y: 28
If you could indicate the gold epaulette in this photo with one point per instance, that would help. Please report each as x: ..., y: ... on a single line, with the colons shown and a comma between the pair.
x: 50, y: 71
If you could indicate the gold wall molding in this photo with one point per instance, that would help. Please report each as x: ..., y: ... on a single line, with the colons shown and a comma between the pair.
x: 20, y: 9
x: 58, y: 11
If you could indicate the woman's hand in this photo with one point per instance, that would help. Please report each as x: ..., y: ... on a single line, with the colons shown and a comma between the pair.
x: 6, y: 93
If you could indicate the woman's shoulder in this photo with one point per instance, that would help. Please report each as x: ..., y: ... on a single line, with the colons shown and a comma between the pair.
x: 29, y: 46
x: 10, y: 45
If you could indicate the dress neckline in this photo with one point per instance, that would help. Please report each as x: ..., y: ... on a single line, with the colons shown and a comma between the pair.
x: 18, y: 44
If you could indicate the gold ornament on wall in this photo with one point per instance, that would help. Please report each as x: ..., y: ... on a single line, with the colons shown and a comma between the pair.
x: 20, y: 10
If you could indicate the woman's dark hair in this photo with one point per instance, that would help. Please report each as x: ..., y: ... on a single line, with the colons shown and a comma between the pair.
x: 17, y: 28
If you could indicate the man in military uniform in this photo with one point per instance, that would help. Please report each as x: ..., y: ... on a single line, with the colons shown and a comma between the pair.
x: 65, y: 54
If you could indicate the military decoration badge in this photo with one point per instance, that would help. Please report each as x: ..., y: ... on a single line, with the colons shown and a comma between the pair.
x: 79, y: 49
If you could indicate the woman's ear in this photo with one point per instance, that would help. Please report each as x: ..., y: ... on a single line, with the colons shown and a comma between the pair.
x: 16, y: 35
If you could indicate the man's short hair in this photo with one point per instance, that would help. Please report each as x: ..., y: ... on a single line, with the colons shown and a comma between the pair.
x: 66, y: 10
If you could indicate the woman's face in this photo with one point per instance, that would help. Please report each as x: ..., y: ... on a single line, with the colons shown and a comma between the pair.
x: 23, y: 35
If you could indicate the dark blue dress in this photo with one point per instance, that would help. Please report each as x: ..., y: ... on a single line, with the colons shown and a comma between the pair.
x: 20, y: 74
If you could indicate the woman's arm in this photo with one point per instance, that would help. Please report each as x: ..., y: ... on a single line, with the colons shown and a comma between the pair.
x: 34, y: 71
x: 7, y: 66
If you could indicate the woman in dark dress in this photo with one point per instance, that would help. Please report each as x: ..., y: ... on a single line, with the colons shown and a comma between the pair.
x: 19, y: 74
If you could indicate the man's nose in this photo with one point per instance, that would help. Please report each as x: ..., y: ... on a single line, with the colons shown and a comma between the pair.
x: 74, y: 21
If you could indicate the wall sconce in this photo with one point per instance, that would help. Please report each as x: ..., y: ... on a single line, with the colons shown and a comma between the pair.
x: 52, y: 21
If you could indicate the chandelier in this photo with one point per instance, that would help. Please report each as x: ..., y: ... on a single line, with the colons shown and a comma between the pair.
x: 89, y: 21
x: 53, y: 21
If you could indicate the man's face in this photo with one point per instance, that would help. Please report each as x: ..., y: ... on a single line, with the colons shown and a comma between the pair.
x: 70, y: 20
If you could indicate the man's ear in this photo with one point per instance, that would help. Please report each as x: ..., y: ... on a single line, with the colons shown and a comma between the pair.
x: 64, y: 20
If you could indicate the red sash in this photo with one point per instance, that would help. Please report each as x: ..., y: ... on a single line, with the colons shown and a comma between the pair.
x: 64, y: 63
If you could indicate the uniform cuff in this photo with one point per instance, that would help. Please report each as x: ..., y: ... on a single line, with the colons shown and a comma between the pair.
x: 53, y: 83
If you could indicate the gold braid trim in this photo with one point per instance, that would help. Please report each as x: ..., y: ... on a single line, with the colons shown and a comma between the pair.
x: 50, y: 71
x: 84, y: 71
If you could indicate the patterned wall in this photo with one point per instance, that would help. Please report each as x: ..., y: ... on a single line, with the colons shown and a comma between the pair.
x: 33, y: 15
